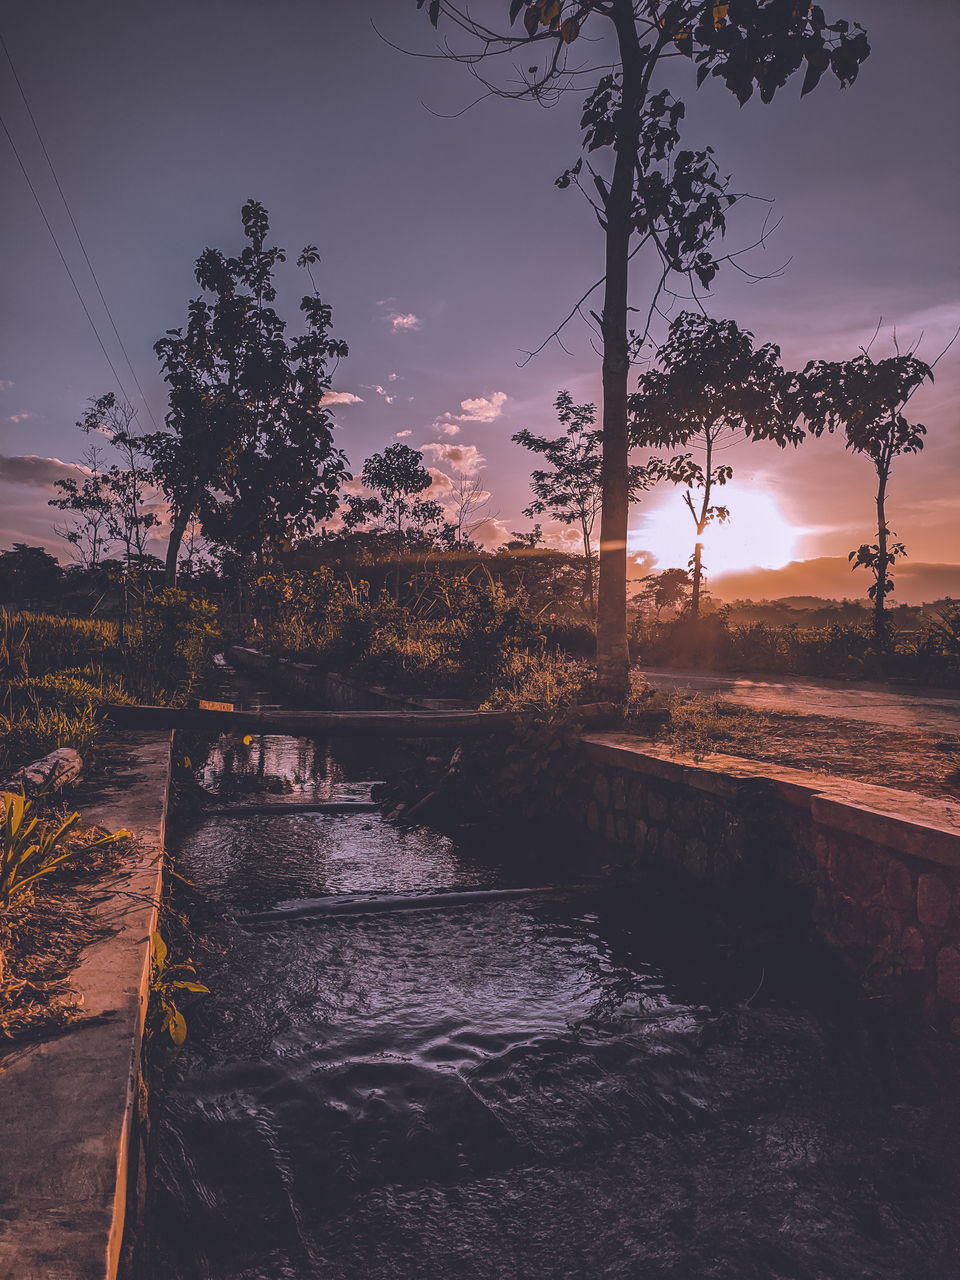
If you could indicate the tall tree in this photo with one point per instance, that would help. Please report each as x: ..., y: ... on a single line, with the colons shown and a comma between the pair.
x: 570, y: 489
x: 713, y: 387
x: 651, y: 192
x: 866, y: 398
x: 248, y: 450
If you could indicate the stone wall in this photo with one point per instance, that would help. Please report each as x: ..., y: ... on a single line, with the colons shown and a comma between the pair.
x: 878, y: 868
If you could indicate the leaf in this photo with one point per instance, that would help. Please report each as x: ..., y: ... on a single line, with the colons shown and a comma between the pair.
x: 177, y: 1026
x: 515, y: 7
x: 159, y: 949
x: 433, y: 13
x: 531, y: 20
x: 569, y: 30
x: 192, y: 986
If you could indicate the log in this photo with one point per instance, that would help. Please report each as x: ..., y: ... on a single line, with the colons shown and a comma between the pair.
x: 49, y: 774
x: 325, y: 724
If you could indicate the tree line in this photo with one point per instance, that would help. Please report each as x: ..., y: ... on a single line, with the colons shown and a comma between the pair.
x: 247, y: 460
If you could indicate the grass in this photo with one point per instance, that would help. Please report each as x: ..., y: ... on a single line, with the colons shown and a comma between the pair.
x: 699, y: 724
x: 43, y: 932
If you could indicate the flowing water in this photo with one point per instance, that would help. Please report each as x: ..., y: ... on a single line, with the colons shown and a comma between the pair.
x: 580, y: 1081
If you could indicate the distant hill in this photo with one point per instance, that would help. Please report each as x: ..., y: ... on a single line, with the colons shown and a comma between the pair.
x: 829, y: 579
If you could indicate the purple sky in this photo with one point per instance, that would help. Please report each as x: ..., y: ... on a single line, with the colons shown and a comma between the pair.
x: 447, y: 251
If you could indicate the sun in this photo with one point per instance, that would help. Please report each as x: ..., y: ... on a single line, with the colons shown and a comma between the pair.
x: 757, y: 536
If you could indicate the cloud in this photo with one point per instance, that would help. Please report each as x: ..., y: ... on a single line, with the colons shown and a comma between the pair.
x: 6, y: 384
x: 405, y: 322
x: 340, y: 397
x: 392, y: 377
x: 479, y: 409
x: 381, y: 391
x: 402, y: 435
x: 465, y: 459
x: 490, y: 532
x: 483, y: 408
x: 40, y: 472
x: 26, y: 416
x: 440, y: 483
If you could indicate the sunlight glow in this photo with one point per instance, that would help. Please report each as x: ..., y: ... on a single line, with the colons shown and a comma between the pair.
x: 757, y: 535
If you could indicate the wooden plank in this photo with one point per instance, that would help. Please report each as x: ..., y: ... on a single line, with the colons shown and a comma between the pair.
x: 324, y: 724
x: 307, y: 724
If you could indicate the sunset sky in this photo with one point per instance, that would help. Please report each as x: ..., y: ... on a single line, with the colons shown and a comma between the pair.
x: 448, y: 252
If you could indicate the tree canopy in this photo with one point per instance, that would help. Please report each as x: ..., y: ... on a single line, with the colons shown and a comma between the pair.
x: 248, y: 449
x: 866, y: 399
x: 713, y: 385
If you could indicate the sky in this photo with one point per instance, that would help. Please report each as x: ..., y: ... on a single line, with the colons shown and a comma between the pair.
x: 447, y: 252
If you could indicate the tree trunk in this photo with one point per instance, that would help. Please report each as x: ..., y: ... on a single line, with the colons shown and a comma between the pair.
x: 613, y: 657
x: 697, y: 574
x: 587, y: 551
x: 178, y: 528
x: 883, y: 560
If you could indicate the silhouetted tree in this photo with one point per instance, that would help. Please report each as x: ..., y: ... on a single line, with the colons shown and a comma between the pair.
x: 86, y: 501
x: 248, y: 449
x: 673, y: 199
x: 712, y: 387
x: 866, y: 398
x: 395, y: 476
x: 29, y: 573
x: 571, y: 490
x: 668, y: 589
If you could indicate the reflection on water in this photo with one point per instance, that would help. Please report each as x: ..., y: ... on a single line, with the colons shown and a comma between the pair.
x: 553, y: 1087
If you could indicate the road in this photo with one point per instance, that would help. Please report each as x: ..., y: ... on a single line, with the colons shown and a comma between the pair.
x: 933, y: 711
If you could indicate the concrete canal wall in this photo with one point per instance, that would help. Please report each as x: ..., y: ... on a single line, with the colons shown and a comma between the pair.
x: 879, y: 868
x: 68, y: 1103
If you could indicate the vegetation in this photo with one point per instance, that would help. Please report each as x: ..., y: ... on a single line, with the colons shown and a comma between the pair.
x: 570, y: 489
x: 713, y: 386
x: 248, y: 447
x: 30, y: 848
x: 866, y: 398
x: 652, y: 192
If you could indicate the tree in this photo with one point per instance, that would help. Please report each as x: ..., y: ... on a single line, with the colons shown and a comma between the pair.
x: 652, y: 192
x: 867, y: 398
x: 395, y: 476
x: 571, y: 490
x: 87, y: 503
x: 29, y: 573
x: 668, y: 589
x: 130, y: 516
x: 713, y: 386
x: 248, y: 450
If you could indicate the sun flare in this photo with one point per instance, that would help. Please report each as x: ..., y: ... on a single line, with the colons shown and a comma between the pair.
x: 757, y: 535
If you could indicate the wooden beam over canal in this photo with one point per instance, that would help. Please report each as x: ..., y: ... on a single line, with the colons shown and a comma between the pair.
x: 354, y: 724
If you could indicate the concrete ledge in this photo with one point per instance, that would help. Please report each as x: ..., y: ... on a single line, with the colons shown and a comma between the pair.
x: 67, y: 1102
x: 915, y: 826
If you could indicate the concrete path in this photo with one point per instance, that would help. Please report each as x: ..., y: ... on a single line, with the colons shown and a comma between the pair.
x: 935, y: 711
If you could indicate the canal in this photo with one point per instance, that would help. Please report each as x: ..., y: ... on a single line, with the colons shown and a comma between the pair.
x: 590, y: 1079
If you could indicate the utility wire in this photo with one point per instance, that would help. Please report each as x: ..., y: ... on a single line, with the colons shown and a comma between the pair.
x: 76, y: 230
x: 66, y: 265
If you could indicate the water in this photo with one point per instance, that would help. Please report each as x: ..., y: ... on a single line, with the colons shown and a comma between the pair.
x: 563, y: 1085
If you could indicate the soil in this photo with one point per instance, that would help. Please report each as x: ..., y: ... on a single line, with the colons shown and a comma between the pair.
x: 925, y: 764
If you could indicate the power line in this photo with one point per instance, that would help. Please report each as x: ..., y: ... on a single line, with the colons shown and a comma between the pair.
x: 76, y: 230
x: 66, y: 265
